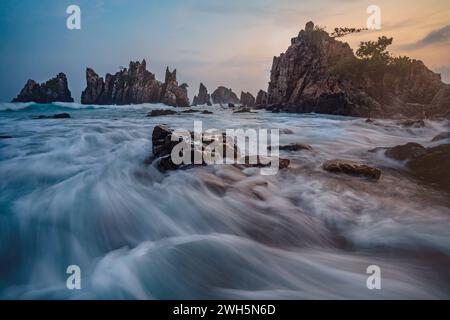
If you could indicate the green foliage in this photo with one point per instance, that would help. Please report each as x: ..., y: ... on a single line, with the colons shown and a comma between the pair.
x: 320, y: 29
x: 343, y: 31
x: 375, y: 51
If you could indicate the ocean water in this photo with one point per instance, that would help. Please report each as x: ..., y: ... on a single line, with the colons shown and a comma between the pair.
x: 80, y: 192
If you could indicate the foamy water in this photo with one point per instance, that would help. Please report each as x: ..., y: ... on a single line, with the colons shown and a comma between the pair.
x: 79, y: 191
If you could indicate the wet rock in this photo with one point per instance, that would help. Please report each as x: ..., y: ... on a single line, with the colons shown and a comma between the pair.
x: 55, y: 116
x: 352, y: 168
x: 54, y: 90
x: 404, y: 152
x: 432, y: 167
x: 412, y: 123
x: 161, y: 112
x: 203, y: 97
x: 6, y: 137
x: 224, y: 95
x: 286, y: 131
x: 441, y: 136
x: 207, y: 112
x: 231, y: 105
x: 191, y: 111
x: 262, y: 162
x: 294, y: 147
x: 247, y: 99
x: 244, y: 110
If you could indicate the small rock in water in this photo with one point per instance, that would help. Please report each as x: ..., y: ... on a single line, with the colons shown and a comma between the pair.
x: 5, y: 137
x: 207, y: 112
x: 293, y: 147
x: 412, y: 123
x: 163, y: 112
x: 55, y: 116
x: 441, y: 136
x: 244, y: 110
x: 190, y: 111
x: 352, y: 167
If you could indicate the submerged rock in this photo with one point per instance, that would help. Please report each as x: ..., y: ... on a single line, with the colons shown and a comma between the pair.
x: 294, y: 147
x: 55, y: 116
x: 353, y: 168
x: 54, y: 90
x: 441, y: 136
x: 161, y: 112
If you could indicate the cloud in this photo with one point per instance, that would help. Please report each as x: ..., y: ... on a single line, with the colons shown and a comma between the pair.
x: 439, y: 36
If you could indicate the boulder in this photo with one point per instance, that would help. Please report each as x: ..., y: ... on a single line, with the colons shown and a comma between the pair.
x: 294, y: 147
x: 352, y: 168
x: 223, y: 95
x: 405, y: 152
x: 54, y: 90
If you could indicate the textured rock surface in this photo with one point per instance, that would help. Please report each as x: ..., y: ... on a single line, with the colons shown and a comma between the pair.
x: 262, y: 98
x: 247, y: 99
x: 224, y: 95
x: 353, y: 168
x: 203, y: 97
x: 441, y: 136
x: 406, y: 151
x: 320, y: 74
x: 54, y: 90
x: 134, y: 85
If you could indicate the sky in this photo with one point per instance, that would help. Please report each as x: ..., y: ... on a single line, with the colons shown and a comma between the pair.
x: 217, y: 42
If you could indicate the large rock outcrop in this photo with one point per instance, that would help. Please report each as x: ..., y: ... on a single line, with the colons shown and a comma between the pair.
x: 247, y: 99
x: 223, y: 95
x: 54, y: 90
x: 203, y: 97
x: 319, y: 74
x: 134, y: 85
x: 262, y: 98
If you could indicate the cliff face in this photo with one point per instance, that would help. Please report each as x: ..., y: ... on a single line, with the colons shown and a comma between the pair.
x: 320, y: 74
x: 54, y: 90
x: 224, y: 95
x: 134, y: 85
x: 203, y: 97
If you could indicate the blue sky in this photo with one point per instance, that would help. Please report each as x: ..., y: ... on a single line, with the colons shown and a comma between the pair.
x: 216, y: 42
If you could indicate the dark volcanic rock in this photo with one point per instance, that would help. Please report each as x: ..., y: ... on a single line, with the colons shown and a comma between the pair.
x: 54, y: 90
x: 162, y: 112
x: 224, y: 95
x: 203, y: 97
x: 134, y: 85
x: 320, y: 74
x: 353, y: 168
x: 404, y: 152
x: 442, y: 136
x: 262, y: 98
x: 55, y: 116
x: 247, y: 99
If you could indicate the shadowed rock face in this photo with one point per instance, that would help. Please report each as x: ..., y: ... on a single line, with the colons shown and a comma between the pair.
x: 203, y: 97
x: 247, y: 99
x: 224, y: 95
x: 262, y: 98
x: 54, y: 90
x: 320, y: 74
x: 134, y: 85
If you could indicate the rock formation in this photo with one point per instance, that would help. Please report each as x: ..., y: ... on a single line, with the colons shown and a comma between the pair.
x: 224, y: 95
x: 352, y: 168
x: 134, y: 85
x: 262, y: 98
x: 54, y: 90
x: 203, y: 97
x: 320, y: 74
x: 247, y: 99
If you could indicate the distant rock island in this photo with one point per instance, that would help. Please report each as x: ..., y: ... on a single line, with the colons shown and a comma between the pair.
x: 320, y: 74
x: 54, y: 90
x: 134, y: 85
x: 223, y: 95
x: 203, y: 97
